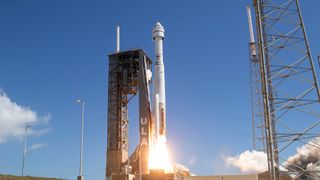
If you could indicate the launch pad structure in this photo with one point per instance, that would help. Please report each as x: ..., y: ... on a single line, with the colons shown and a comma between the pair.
x: 127, y: 78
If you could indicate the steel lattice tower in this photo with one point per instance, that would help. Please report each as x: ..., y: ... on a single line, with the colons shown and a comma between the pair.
x: 289, y: 85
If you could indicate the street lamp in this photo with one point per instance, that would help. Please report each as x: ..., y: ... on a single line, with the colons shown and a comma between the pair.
x: 80, y: 101
x: 25, y: 146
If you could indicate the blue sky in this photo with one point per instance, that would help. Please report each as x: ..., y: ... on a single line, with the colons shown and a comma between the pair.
x: 55, y: 51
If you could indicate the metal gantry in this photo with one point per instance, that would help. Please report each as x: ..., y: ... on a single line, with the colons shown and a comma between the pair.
x: 127, y: 77
x: 122, y: 85
x: 289, y: 86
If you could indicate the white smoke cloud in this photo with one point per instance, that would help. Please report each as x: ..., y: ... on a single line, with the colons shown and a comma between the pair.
x: 306, y: 158
x: 14, y: 117
x: 249, y: 161
x: 313, y: 167
x: 307, y: 153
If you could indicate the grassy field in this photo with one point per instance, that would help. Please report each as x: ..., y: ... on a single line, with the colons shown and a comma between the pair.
x: 9, y: 177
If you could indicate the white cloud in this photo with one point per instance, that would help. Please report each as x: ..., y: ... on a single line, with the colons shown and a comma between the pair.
x: 13, y: 118
x: 249, y: 161
x: 36, y: 146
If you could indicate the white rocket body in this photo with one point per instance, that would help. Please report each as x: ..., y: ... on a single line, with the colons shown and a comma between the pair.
x: 159, y: 95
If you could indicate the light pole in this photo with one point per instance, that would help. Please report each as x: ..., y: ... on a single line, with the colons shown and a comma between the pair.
x: 25, y: 146
x: 80, y: 101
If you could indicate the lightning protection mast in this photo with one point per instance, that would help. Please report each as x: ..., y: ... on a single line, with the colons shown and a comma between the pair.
x: 257, y: 118
x: 289, y: 86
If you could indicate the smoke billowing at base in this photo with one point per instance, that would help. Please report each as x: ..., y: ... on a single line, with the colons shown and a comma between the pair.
x: 306, y: 160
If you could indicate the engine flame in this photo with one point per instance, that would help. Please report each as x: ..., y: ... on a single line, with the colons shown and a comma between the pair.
x: 159, y: 157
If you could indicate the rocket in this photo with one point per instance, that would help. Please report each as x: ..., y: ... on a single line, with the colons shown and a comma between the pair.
x: 159, y: 101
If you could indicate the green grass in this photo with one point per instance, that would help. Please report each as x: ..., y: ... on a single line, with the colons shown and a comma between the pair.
x: 9, y: 177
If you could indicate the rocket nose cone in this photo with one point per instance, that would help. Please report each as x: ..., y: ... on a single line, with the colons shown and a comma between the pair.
x: 158, y: 30
x: 158, y: 24
x: 158, y: 27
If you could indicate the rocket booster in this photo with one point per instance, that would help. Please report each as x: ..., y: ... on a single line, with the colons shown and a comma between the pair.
x: 159, y: 101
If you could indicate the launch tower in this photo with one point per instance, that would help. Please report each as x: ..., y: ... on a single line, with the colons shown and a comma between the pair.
x: 127, y: 77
